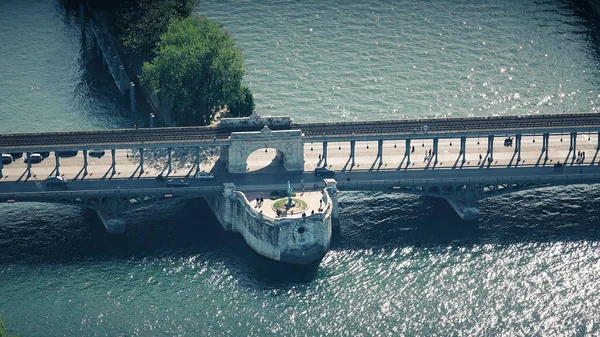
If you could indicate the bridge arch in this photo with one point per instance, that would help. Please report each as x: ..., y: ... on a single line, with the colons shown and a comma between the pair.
x: 265, y: 159
x: 287, y: 143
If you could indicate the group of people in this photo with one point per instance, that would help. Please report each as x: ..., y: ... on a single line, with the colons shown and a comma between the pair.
x: 259, y: 200
x: 427, y: 155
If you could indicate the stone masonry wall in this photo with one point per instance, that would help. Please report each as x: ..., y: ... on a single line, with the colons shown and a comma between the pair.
x: 293, y: 240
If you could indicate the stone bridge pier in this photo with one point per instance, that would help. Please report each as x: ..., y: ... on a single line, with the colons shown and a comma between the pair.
x: 331, y: 186
x: 112, y: 222
x: 109, y: 210
x: 288, y: 144
x: 463, y: 200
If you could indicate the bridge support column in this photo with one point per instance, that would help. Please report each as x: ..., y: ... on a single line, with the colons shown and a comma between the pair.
x: 198, y: 159
x: 435, y: 149
x: 352, y: 150
x: 114, y: 162
x: 122, y: 76
x: 1, y: 165
x: 132, y: 96
x: 57, y: 164
x: 380, y: 151
x: 464, y: 201
x: 518, y: 146
x: 490, y: 150
x: 573, y: 146
x: 112, y: 223
x: 407, y: 152
x: 546, y: 144
x: 169, y: 161
x: 463, y: 148
x: 331, y: 186
x: 28, y: 154
x: 85, y: 162
x: 141, y: 160
x: 324, y: 154
x: 598, y: 145
x: 223, y: 207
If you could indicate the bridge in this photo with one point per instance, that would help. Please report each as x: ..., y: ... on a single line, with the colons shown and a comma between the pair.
x: 457, y: 159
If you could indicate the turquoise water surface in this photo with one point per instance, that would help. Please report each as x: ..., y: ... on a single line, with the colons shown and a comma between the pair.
x: 399, y: 265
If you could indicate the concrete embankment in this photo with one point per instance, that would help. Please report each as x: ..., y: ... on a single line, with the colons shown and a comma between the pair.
x: 133, y: 71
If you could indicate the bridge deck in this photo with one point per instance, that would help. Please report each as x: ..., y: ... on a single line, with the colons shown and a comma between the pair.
x: 366, y: 159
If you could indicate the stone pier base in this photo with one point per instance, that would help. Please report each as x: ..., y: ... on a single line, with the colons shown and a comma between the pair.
x: 295, y: 239
x: 465, y: 212
x: 112, y: 224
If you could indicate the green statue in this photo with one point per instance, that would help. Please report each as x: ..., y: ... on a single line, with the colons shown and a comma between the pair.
x: 290, y: 192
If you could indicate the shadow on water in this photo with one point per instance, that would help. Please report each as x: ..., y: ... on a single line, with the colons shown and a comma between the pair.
x: 96, y: 94
x: 180, y: 230
x: 388, y: 221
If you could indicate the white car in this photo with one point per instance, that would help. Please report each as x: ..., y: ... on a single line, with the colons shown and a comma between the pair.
x: 204, y: 176
x: 35, y: 158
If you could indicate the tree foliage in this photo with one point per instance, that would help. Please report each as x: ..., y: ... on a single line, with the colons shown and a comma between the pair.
x: 140, y: 23
x: 197, y: 68
x: 243, y: 104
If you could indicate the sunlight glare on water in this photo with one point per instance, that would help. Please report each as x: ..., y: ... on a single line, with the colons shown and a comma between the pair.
x: 399, y: 264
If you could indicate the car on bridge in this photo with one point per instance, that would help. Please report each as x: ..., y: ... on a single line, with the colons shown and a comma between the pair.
x: 66, y: 154
x: 6, y: 159
x: 177, y: 183
x: 34, y: 158
x: 16, y: 155
x: 96, y: 153
x: 204, y: 176
x: 324, y: 171
x: 56, y: 181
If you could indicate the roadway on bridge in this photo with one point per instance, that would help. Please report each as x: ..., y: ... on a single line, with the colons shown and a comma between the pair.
x: 127, y: 161
x: 262, y: 166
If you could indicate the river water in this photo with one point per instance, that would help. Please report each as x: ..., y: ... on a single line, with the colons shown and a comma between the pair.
x: 399, y: 265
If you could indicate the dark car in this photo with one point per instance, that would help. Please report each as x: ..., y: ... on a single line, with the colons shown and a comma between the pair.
x: 177, y: 183
x: 96, y: 153
x: 6, y: 159
x: 66, y: 154
x: 56, y: 181
x: 324, y: 171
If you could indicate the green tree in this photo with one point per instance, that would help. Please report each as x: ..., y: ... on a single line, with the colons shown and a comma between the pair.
x: 243, y: 104
x: 140, y: 23
x: 197, y: 68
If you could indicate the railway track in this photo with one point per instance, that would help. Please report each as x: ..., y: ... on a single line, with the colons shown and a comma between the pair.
x: 206, y: 135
